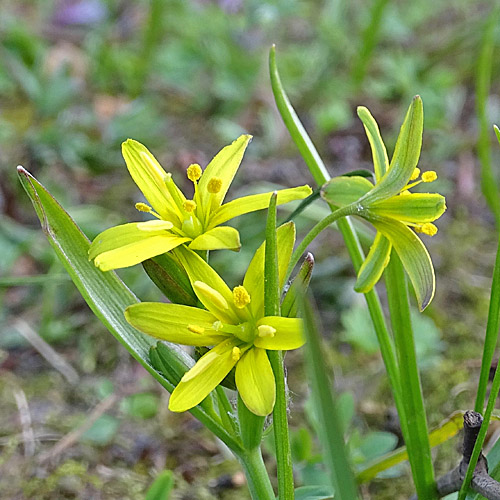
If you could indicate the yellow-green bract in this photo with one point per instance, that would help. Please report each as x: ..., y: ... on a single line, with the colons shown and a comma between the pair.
x: 390, y: 206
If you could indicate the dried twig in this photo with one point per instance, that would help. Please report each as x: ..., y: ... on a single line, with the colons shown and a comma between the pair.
x: 59, y: 363
x: 25, y: 419
x: 482, y: 482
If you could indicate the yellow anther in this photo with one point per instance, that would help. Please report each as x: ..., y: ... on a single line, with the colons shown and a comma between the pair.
x: 189, y: 206
x: 405, y: 192
x: 415, y: 174
x: 240, y: 297
x: 196, y: 329
x: 194, y: 172
x: 142, y: 207
x: 429, y: 229
x: 266, y: 331
x: 210, y: 295
x: 214, y: 185
x: 236, y: 353
x: 429, y: 176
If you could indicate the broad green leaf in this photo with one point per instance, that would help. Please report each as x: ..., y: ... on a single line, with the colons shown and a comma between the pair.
x: 161, y: 487
x: 405, y: 156
x: 379, y: 153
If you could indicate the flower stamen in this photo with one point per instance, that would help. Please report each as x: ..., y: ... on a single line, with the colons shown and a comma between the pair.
x: 196, y: 329
x: 429, y: 176
x: 241, y: 297
x: 236, y: 353
x: 214, y: 185
x: 415, y: 175
x: 189, y: 206
x: 266, y: 331
x: 194, y: 172
x: 211, y: 295
x: 142, y: 207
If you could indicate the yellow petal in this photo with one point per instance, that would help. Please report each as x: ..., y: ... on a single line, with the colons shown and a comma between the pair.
x: 255, y: 202
x: 223, y: 166
x: 150, y: 179
x: 198, y: 270
x: 127, y: 245
x: 217, y: 238
x: 204, y: 377
x: 289, y: 334
x: 254, y: 277
x: 174, y: 323
x: 255, y: 382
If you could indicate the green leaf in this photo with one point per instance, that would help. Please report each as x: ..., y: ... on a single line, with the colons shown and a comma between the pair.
x: 161, y: 487
x: 405, y: 156
x: 330, y: 426
x: 169, y: 276
x: 102, y: 431
x: 379, y: 153
x: 142, y: 405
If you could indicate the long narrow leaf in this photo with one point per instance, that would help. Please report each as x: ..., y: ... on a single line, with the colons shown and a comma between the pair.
x: 416, y: 435
x: 330, y: 426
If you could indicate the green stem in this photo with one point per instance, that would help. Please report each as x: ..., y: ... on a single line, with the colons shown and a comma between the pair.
x: 490, y: 340
x: 256, y: 474
x: 416, y: 437
x: 314, y: 232
x: 225, y: 410
x: 272, y: 308
x: 489, y: 184
x: 495, y: 388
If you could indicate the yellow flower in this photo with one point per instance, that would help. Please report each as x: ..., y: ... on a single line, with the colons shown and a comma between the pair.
x: 233, y: 322
x: 196, y: 222
x: 391, y: 207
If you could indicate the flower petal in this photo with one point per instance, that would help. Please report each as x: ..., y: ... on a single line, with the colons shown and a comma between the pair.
x: 217, y: 239
x: 379, y: 153
x: 413, y: 207
x: 342, y: 191
x: 128, y: 244
x: 289, y: 334
x: 198, y: 270
x: 414, y: 256
x: 204, y: 377
x: 150, y: 179
x: 405, y: 158
x: 255, y: 202
x: 376, y: 261
x: 255, y: 382
x: 223, y: 166
x: 254, y: 277
x: 174, y: 323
